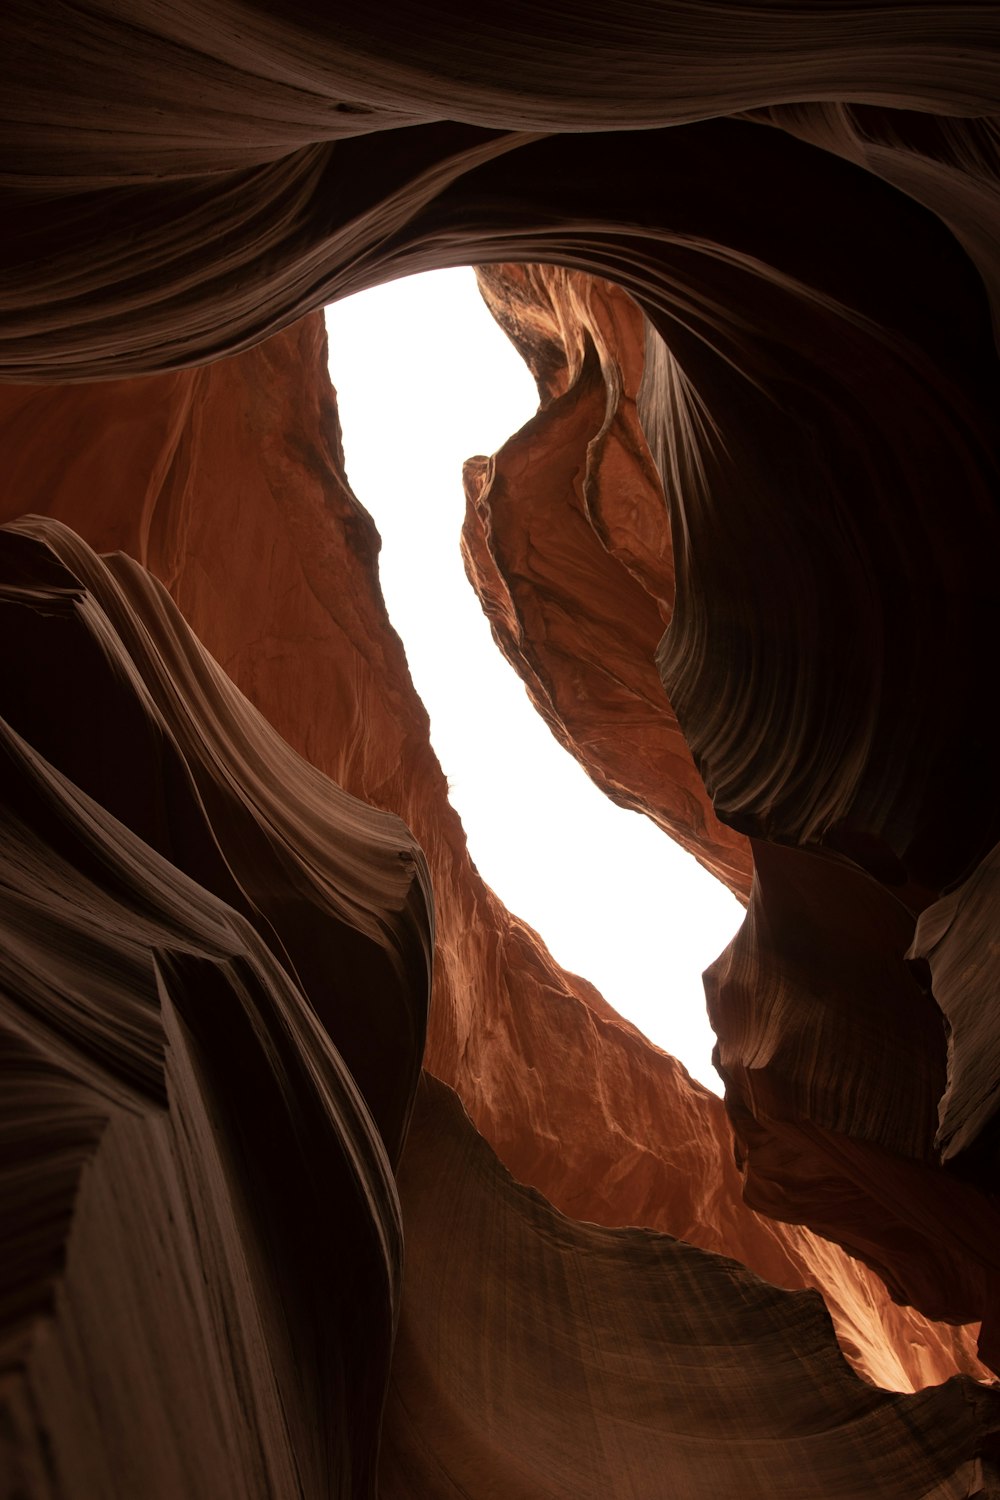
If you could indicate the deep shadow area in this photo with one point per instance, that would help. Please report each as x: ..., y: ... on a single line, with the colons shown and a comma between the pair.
x: 745, y: 561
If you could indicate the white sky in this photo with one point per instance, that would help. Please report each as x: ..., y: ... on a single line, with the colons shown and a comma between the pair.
x: 425, y: 379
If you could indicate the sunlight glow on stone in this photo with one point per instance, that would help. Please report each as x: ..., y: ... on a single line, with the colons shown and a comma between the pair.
x: 426, y: 379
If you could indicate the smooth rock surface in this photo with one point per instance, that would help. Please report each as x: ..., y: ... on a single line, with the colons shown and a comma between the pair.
x: 574, y: 1100
x: 219, y: 961
x: 832, y: 1048
x: 709, y: 1380
x: 203, y: 1247
x: 566, y: 543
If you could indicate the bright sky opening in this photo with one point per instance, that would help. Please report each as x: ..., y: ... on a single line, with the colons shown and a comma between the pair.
x: 426, y: 379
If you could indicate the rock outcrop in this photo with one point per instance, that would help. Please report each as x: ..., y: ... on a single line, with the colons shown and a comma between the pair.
x: 574, y: 1100
x: 202, y: 1248
x: 781, y: 457
x: 567, y: 546
x: 643, y: 1367
x: 831, y: 1042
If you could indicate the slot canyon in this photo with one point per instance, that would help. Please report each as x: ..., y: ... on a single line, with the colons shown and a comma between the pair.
x: 320, y: 1177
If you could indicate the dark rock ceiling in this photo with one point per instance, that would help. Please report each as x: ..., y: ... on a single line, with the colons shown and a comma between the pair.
x: 266, y: 1034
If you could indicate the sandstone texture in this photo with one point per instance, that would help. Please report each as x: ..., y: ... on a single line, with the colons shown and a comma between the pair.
x: 745, y: 560
x: 567, y: 546
x: 505, y: 1384
x: 834, y: 1042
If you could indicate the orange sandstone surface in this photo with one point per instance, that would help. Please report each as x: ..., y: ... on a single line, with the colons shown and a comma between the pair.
x: 319, y: 1176
x: 240, y: 505
x: 568, y: 545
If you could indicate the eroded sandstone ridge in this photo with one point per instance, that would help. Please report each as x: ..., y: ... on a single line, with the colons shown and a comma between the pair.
x: 202, y: 1246
x: 860, y: 1104
x: 568, y: 546
x: 573, y: 1099
x: 784, y: 451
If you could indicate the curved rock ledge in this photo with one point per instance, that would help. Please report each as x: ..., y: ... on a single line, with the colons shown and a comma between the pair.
x: 192, y: 1160
x: 801, y: 203
x: 950, y: 939
x: 832, y: 1048
x: 566, y: 543
x: 709, y: 1380
x: 575, y: 1102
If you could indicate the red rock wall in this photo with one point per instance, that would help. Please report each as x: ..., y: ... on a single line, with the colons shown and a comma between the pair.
x: 806, y: 215
x: 567, y: 543
x: 832, y: 1045
x: 248, y: 519
x: 499, y: 1370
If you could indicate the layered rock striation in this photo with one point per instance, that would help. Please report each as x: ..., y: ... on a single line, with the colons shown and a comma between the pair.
x: 744, y: 558
x: 203, y: 1245
x: 832, y: 1043
x: 645, y: 1366
x: 567, y: 546
x: 575, y: 1101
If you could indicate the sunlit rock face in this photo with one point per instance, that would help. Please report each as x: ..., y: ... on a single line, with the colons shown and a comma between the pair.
x: 568, y: 546
x: 277, y: 574
x: 769, y: 478
x: 838, y: 1049
x: 574, y: 1100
